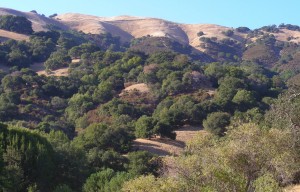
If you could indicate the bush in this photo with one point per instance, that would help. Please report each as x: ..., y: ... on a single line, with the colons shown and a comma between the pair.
x: 57, y: 60
x: 216, y: 122
x: 228, y: 33
x: 270, y: 28
x: 200, y: 33
x: 243, y: 29
x: 53, y: 15
x: 28, y: 159
x: 143, y: 127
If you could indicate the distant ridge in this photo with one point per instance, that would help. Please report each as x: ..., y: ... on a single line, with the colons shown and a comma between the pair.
x: 129, y: 27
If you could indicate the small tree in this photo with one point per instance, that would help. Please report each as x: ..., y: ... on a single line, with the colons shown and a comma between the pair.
x: 143, y: 127
x: 228, y: 33
x: 53, y: 15
x: 216, y: 122
x: 58, y: 60
x: 200, y: 33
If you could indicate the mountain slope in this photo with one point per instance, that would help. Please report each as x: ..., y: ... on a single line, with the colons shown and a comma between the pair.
x: 128, y: 27
x: 11, y: 35
x: 39, y: 22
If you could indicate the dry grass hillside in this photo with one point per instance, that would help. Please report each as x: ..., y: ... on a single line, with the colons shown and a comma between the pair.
x: 11, y: 35
x: 39, y: 22
x: 165, y: 146
x: 128, y: 27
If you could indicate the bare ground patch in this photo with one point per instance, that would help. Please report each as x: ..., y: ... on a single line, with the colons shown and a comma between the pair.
x: 141, y: 87
x: 165, y: 146
x: 295, y: 188
x: 12, y: 35
x: 40, y: 69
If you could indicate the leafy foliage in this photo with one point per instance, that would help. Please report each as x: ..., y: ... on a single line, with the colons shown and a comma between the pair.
x: 17, y: 24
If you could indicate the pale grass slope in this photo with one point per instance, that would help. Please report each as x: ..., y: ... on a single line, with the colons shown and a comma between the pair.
x: 128, y: 27
x: 165, y: 146
x: 11, y: 35
x: 39, y: 22
x: 140, y: 87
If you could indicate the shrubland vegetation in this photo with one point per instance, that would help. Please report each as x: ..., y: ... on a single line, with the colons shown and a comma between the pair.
x: 76, y: 133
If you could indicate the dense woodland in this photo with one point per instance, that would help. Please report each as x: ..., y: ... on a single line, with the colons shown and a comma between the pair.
x: 75, y: 132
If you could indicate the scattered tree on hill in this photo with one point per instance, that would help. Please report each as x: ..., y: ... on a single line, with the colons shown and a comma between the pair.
x: 228, y: 33
x: 243, y: 29
x: 200, y: 33
x: 17, y: 24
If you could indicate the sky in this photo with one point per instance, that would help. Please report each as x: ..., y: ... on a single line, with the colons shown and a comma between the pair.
x: 231, y: 13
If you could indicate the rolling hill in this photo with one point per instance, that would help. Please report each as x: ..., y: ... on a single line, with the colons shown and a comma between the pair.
x: 129, y: 27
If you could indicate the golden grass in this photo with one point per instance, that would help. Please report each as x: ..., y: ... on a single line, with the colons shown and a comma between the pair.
x: 12, y: 35
x: 165, y: 146
x: 40, y: 69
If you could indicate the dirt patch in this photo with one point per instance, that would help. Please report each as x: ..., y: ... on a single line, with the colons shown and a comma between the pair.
x: 12, y: 35
x: 58, y: 72
x: 295, y: 188
x: 140, y: 87
x: 165, y: 146
x: 40, y: 69
x: 76, y: 60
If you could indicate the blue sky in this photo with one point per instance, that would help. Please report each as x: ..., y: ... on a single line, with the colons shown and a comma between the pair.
x: 231, y: 13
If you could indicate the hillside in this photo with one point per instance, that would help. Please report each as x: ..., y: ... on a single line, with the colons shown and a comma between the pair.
x: 39, y: 22
x: 11, y: 35
x: 129, y: 27
x: 143, y: 104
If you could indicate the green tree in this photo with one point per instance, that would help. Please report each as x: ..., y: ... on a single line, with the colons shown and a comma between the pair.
x: 229, y: 86
x: 77, y: 106
x: 57, y: 60
x: 41, y: 48
x: 105, y: 181
x: 266, y: 183
x: 17, y: 24
x: 244, y: 99
x: 144, y: 127
x: 71, y: 161
x: 28, y: 158
x: 103, y: 137
x: 216, y: 122
x: 142, y: 163
x: 8, y: 109
x: 62, y: 188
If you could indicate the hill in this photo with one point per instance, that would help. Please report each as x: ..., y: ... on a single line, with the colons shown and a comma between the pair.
x: 128, y: 27
x: 11, y: 35
x: 39, y: 21
x: 111, y: 99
